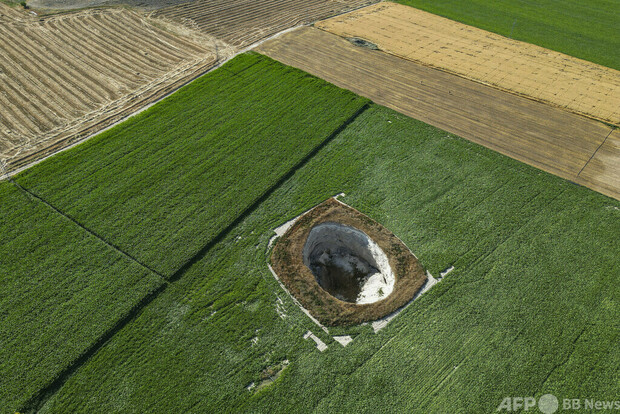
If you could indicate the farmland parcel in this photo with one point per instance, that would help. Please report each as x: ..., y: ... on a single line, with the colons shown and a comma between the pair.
x: 67, y: 76
x: 528, y: 70
x: 533, y: 291
x: 549, y: 138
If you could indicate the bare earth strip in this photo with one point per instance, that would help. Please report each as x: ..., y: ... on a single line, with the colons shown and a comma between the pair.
x: 546, y: 137
x: 541, y: 74
x: 243, y: 22
x: 602, y: 173
x: 65, y: 77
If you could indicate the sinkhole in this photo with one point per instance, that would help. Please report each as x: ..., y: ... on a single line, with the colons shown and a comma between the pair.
x: 343, y: 267
x: 348, y: 264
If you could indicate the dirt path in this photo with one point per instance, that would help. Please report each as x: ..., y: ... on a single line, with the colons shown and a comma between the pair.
x: 67, y: 76
x: 522, y: 68
x: 546, y: 137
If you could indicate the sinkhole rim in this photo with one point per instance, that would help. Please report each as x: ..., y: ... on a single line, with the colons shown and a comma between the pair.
x: 289, y: 267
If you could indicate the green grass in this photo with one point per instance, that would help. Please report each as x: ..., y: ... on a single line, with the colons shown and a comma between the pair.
x: 584, y: 29
x: 162, y: 185
x: 531, y: 307
x: 62, y: 289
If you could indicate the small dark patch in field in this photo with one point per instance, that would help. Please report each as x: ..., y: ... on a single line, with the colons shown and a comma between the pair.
x: 268, y: 376
x: 356, y: 41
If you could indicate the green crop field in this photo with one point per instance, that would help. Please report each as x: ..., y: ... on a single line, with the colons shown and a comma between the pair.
x: 584, y: 29
x: 61, y: 290
x: 99, y: 227
x: 178, y: 174
x: 532, y: 306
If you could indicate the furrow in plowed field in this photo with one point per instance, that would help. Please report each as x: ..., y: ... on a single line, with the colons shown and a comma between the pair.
x: 522, y: 68
x: 99, y: 90
x: 9, y: 14
x: 63, y: 75
x: 243, y: 22
x: 546, y: 137
x: 34, y: 87
x: 89, y: 47
x: 67, y: 76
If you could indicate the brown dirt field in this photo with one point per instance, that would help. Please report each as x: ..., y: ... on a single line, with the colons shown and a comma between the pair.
x: 541, y: 74
x: 65, y: 77
x: 602, y: 173
x: 243, y: 22
x: 287, y: 262
x: 546, y: 137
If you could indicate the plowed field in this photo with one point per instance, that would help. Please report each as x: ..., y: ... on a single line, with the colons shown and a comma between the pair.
x: 522, y: 68
x: 66, y: 76
x: 243, y: 22
x: 548, y: 138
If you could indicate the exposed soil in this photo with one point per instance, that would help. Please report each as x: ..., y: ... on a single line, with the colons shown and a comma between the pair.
x: 287, y: 261
x: 538, y: 73
x: 546, y: 137
x: 602, y: 172
x: 356, y: 41
x: 268, y: 376
x: 67, y: 76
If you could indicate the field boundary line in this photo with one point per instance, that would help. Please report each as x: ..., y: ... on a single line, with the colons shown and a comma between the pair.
x: 39, y: 399
x: 595, y: 151
x: 89, y: 231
